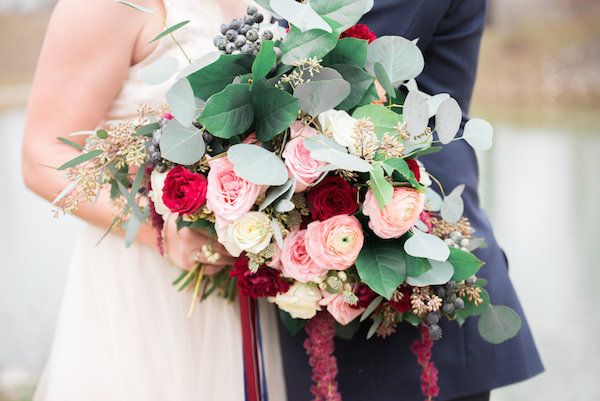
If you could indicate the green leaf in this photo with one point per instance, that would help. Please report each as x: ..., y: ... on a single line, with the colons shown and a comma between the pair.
x: 440, y: 273
x: 370, y: 96
x: 159, y: 71
x: 293, y: 326
x: 381, y: 265
x: 412, y: 319
x: 465, y: 264
x: 447, y: 120
x: 341, y: 160
x: 374, y: 326
x: 314, y: 43
x: 384, y: 79
x: 402, y: 168
x: 102, y: 134
x: 277, y: 192
x: 400, y: 57
x: 137, y: 7
x: 471, y: 309
x: 147, y: 130
x: 345, y: 12
x: 274, y: 112
x: 360, y: 83
x: 215, y: 77
x: 257, y: 165
x: 453, y: 205
x: 82, y: 158
x: 384, y: 119
x: 299, y: 15
x: 265, y: 60
x: 181, y: 145
x: 415, y: 113
x: 65, y: 191
x: 70, y: 143
x: 347, y: 332
x: 478, y: 133
x: 348, y: 51
x: 415, y: 267
x: 323, y: 92
x: 229, y: 112
x: 371, y: 308
x: 169, y: 30
x: 382, y: 189
x: 499, y: 323
x: 182, y: 102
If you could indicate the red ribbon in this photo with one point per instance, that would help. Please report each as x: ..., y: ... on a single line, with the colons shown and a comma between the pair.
x: 250, y: 349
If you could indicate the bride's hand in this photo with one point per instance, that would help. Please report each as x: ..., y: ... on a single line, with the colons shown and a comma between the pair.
x: 185, y: 249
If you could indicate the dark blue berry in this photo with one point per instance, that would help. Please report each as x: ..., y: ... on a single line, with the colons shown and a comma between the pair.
x: 448, y: 308
x: 235, y: 24
x: 231, y: 35
x: 240, y: 41
x: 246, y: 49
x: 230, y: 48
x: 251, y: 10
x: 258, y: 18
x: 222, y: 44
x: 248, y: 20
x: 459, y: 303
x: 432, y: 318
x: 435, y: 332
x: 252, y: 35
x: 244, y: 30
x: 156, y: 157
x: 267, y: 35
x: 224, y: 28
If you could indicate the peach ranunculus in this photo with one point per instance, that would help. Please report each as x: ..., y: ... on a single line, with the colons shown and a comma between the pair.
x: 340, y: 309
x: 295, y: 261
x: 297, y: 158
x: 398, y: 216
x: 228, y: 195
x: 334, y: 243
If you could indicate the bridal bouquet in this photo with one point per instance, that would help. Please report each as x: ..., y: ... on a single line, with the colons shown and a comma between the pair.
x: 299, y: 151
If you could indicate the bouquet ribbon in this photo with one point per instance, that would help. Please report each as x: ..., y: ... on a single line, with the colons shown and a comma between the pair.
x: 254, y: 389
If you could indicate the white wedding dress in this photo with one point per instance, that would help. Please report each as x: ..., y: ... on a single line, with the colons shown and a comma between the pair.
x: 123, y: 332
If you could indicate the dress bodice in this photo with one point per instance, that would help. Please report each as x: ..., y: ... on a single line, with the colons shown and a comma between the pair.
x: 196, y: 38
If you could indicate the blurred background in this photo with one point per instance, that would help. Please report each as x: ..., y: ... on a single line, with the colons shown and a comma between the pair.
x: 538, y: 83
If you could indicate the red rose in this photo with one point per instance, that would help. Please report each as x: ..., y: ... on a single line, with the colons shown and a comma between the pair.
x: 365, y: 296
x: 184, y: 191
x: 414, y: 167
x: 404, y: 305
x: 266, y: 282
x: 359, y: 31
x: 331, y: 197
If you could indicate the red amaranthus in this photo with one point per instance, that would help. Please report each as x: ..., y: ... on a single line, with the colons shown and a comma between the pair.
x: 429, y: 373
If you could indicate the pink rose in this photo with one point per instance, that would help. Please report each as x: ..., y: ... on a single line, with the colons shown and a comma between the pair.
x: 297, y: 158
x: 398, y: 216
x: 334, y: 243
x: 341, y: 311
x: 228, y: 195
x: 295, y: 262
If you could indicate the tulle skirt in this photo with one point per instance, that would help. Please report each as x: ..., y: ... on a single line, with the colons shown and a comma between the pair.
x: 123, y: 334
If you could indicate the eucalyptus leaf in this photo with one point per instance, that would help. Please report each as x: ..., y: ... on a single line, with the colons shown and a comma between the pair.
x: 498, y: 324
x: 132, y: 228
x: 159, y: 71
x: 277, y: 233
x: 182, y: 102
x: 199, y: 64
x: 341, y: 160
x: 318, y: 142
x: 453, y: 206
x: 348, y: 51
x: 65, y: 191
x: 293, y: 326
x: 400, y: 165
x: 265, y: 60
x: 180, y: 144
x: 275, y: 193
x: 274, y: 111
x: 229, y: 112
x: 471, y: 309
x: 401, y: 58
x: 433, y: 201
x: 447, y: 120
x: 257, y: 165
x: 434, y: 102
x: 82, y: 158
x: 360, y: 83
x: 299, y: 45
x: 345, y: 12
x: 381, y: 188
x: 371, y: 308
x: 416, y: 113
x: 300, y: 15
x: 384, y: 79
x: 147, y: 130
x: 423, y: 245
x: 137, y: 7
x: 440, y: 273
x: 169, y: 30
x: 284, y: 206
x: 416, y: 267
x: 478, y: 133
x: 381, y: 265
x: 384, y: 119
x: 374, y: 326
x: 69, y: 142
x: 323, y: 92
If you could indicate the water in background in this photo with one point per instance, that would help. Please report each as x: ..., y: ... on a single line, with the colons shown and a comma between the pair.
x: 540, y: 188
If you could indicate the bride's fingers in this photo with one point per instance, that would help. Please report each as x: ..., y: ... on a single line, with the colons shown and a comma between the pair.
x: 214, y: 258
x: 212, y: 269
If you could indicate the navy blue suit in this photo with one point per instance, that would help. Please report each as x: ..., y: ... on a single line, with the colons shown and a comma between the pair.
x: 449, y: 33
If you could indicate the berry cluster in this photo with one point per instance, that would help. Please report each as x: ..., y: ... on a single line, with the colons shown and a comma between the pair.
x: 242, y: 35
x: 458, y: 240
x: 153, y: 154
x: 451, y: 303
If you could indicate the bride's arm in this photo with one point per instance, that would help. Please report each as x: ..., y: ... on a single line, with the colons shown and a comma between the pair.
x: 87, y: 52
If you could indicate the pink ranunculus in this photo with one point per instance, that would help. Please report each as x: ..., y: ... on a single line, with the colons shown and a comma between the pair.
x: 334, y: 243
x: 228, y: 195
x: 295, y: 261
x: 341, y: 311
x: 398, y: 216
x: 297, y: 158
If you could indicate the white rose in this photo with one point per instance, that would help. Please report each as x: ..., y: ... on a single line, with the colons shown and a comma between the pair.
x: 340, y: 125
x: 301, y: 301
x: 251, y: 233
x: 425, y: 179
x: 157, y: 181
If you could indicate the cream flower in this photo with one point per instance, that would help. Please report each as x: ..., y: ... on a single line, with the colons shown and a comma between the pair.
x: 157, y: 180
x: 340, y: 125
x: 251, y: 233
x: 301, y: 301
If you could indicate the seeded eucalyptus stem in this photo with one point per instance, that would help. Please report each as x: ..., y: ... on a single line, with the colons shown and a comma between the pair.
x: 164, y: 23
x: 439, y: 184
